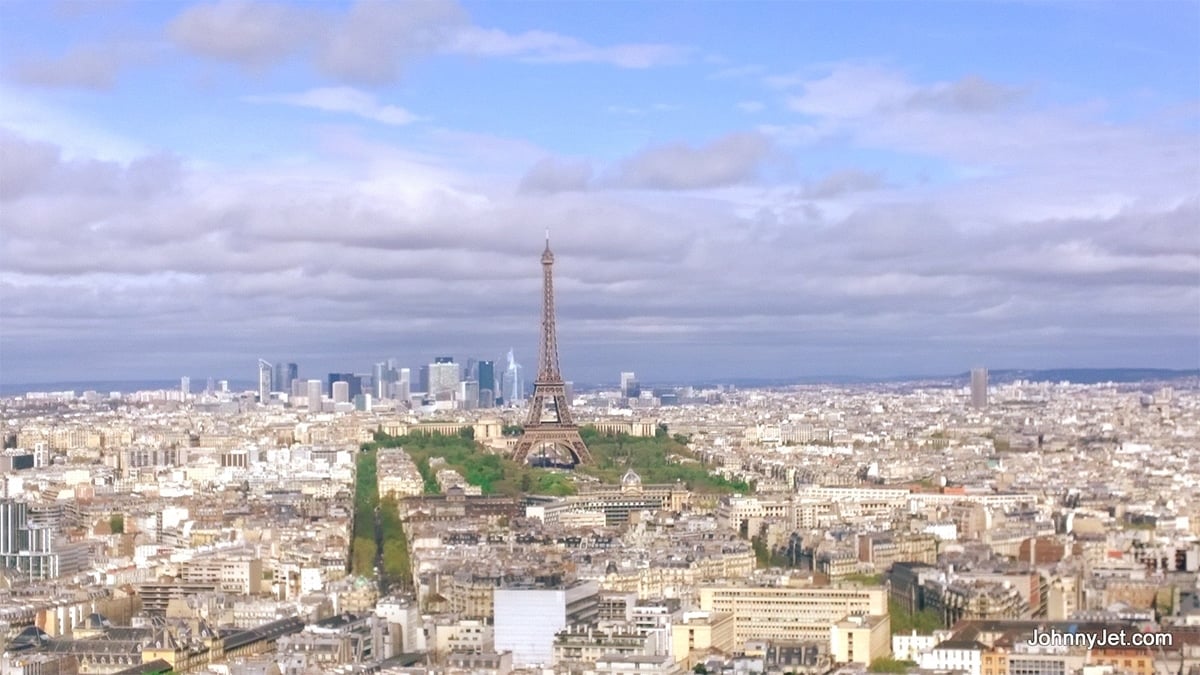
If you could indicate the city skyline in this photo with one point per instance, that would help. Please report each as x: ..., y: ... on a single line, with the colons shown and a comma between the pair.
x: 796, y: 190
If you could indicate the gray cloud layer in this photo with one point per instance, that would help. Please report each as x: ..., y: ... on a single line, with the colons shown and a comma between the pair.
x: 176, y: 264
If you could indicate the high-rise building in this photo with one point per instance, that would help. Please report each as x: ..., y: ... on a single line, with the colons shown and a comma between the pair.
x: 352, y: 380
x: 379, y: 380
x: 278, y: 378
x: 265, y: 372
x: 314, y: 396
x: 423, y: 379
x: 340, y: 391
x: 468, y: 395
x: 487, y: 384
x: 185, y: 386
x: 628, y: 379
x: 404, y: 385
x: 443, y: 379
x: 285, y: 374
x: 513, y: 381
x: 979, y: 387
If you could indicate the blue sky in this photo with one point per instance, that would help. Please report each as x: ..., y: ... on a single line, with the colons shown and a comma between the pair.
x: 735, y: 189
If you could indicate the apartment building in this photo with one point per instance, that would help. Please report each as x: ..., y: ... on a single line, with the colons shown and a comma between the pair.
x: 793, y: 614
x: 242, y: 576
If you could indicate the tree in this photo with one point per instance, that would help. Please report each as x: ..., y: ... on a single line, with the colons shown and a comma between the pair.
x: 116, y: 523
x: 362, y: 556
x: 467, y: 432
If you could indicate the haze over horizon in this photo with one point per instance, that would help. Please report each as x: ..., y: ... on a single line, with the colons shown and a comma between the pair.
x: 733, y: 190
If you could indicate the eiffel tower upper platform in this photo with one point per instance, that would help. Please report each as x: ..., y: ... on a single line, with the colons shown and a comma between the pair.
x: 549, y: 429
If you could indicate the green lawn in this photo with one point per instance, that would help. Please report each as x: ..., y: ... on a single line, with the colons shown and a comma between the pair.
x: 661, y: 459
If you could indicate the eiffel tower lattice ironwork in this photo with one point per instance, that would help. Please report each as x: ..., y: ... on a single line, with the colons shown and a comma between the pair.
x: 549, y: 424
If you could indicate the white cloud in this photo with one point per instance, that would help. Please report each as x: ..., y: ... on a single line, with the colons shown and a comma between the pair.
x: 737, y: 72
x: 850, y: 91
x: 374, y: 40
x: 343, y: 100
x: 728, y: 160
x: 751, y: 106
x: 249, y: 33
x: 637, y: 111
x: 557, y: 175
x: 547, y: 47
x: 29, y: 115
x: 85, y: 66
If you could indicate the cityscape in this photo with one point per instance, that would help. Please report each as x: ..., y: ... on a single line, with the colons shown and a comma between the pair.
x: 338, y: 387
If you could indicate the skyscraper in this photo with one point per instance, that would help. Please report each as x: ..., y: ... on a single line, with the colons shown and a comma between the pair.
x: 379, y: 380
x: 423, y: 379
x: 265, y: 373
x: 404, y: 385
x: 514, y: 382
x: 185, y: 386
x: 285, y: 374
x: 340, y: 391
x: 487, y: 384
x: 278, y: 379
x: 979, y: 387
x: 443, y: 379
x: 468, y: 394
x: 314, y: 396
x: 627, y: 379
x: 352, y: 380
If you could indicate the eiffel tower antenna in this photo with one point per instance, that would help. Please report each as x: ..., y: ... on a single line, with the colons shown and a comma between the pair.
x: 549, y: 423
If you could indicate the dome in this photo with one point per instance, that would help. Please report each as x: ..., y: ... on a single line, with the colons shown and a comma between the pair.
x: 631, y: 479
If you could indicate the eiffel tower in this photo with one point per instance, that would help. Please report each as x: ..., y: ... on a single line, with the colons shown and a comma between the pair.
x: 549, y: 427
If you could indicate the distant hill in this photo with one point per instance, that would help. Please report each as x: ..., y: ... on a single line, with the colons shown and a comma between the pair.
x: 1001, y: 376
x: 106, y: 386
x: 1089, y: 375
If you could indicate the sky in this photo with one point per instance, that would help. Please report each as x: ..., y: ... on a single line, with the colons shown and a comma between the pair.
x: 732, y: 189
